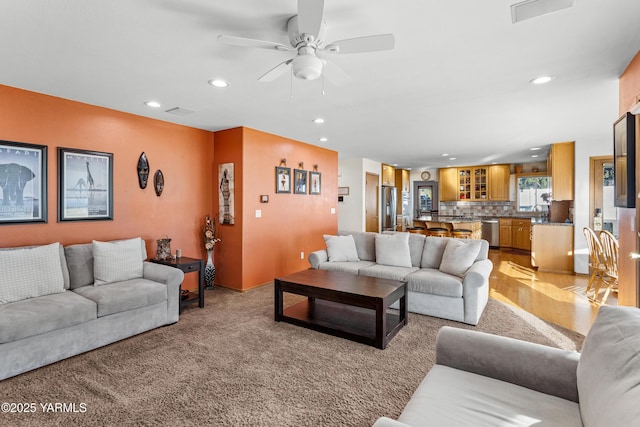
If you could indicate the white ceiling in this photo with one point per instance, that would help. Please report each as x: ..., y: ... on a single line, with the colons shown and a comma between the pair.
x: 457, y: 81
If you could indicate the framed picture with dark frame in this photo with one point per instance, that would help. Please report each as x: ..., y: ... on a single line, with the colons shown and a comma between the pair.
x: 283, y: 179
x: 300, y: 181
x: 315, y: 183
x: 624, y: 155
x: 23, y: 182
x: 85, y: 185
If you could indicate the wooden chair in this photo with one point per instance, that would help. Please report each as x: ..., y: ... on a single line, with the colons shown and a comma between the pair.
x: 596, y: 258
x: 461, y: 233
x: 437, y: 232
x: 610, y: 249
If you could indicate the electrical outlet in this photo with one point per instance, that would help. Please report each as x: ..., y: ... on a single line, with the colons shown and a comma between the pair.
x: 301, y: 255
x: 258, y: 213
x: 333, y: 211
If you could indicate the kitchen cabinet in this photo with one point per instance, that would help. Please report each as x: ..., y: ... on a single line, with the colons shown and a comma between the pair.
x: 402, y: 181
x: 499, y: 182
x: 521, y: 234
x: 505, y: 232
x: 561, y: 167
x: 472, y: 183
x: 448, y: 184
x: 388, y: 175
x: 552, y: 248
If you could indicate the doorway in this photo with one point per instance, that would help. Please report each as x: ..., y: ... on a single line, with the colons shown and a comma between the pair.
x: 371, y: 202
x: 602, y: 195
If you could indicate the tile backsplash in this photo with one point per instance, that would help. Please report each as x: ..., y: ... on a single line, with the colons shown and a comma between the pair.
x: 479, y: 208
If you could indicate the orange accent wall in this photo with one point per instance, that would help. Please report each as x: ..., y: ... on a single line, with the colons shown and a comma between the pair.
x: 185, y: 156
x: 628, y: 288
x: 255, y: 250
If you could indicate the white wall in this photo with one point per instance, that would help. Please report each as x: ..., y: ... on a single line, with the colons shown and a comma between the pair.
x: 352, y: 174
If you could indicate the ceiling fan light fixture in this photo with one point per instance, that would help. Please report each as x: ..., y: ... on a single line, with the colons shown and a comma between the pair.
x: 307, y: 66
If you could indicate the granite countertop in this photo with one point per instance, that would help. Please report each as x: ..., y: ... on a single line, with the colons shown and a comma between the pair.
x: 447, y: 218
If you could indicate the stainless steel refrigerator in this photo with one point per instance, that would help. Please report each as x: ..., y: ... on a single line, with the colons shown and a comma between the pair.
x: 389, y: 206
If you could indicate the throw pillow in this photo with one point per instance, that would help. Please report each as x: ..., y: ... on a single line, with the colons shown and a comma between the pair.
x: 393, y: 249
x: 116, y: 261
x: 30, y: 273
x: 341, y: 248
x: 459, y: 256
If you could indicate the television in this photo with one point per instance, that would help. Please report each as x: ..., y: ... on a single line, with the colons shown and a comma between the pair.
x: 624, y: 165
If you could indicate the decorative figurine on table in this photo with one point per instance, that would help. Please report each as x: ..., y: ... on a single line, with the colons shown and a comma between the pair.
x: 210, y: 241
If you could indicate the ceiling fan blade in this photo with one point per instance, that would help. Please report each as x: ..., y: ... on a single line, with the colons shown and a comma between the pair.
x: 310, y: 16
x: 276, y: 71
x: 362, y: 44
x: 335, y: 74
x: 263, y: 44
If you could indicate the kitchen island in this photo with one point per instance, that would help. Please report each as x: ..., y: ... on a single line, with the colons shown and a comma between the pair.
x: 451, y: 223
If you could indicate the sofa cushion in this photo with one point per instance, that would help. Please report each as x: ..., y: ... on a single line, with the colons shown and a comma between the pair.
x: 393, y: 249
x: 387, y: 272
x: 63, y: 261
x: 116, y: 261
x: 47, y: 313
x: 365, y: 243
x: 345, y: 267
x: 433, y: 251
x: 609, y: 369
x: 341, y: 248
x: 30, y: 272
x: 80, y: 262
x: 124, y: 296
x: 459, y: 256
x: 451, y: 397
x: 435, y: 282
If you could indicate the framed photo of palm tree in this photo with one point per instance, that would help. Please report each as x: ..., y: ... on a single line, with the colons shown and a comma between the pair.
x: 85, y: 185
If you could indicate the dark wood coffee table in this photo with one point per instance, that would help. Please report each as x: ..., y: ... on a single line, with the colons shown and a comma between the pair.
x: 344, y: 305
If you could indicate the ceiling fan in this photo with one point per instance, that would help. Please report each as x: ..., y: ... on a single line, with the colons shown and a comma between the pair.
x: 307, y: 37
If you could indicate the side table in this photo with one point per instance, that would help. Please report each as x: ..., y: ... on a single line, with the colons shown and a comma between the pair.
x: 187, y: 265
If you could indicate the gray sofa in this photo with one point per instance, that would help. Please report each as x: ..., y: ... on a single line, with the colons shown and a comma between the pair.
x: 66, y: 314
x: 446, y: 277
x: 486, y: 380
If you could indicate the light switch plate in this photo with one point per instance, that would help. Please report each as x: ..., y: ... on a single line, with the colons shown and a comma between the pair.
x: 258, y: 213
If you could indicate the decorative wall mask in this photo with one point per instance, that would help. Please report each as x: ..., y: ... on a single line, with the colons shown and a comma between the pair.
x: 143, y: 170
x: 158, y: 182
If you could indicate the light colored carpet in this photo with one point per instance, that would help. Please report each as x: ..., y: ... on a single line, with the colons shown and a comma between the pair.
x: 230, y: 364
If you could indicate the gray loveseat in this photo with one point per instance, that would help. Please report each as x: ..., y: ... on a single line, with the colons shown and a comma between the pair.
x: 486, y: 380
x: 57, y: 302
x: 446, y: 277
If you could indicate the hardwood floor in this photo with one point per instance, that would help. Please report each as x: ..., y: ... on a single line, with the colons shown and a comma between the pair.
x: 556, y: 298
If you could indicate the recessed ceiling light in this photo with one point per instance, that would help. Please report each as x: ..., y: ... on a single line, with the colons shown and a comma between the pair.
x: 319, y: 120
x: 153, y: 104
x: 534, y: 148
x: 541, y: 80
x: 534, y: 155
x: 452, y: 158
x: 323, y: 139
x: 218, y: 83
x: 445, y: 155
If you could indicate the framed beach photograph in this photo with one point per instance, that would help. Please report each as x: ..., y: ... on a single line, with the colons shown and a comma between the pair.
x: 85, y: 185
x: 300, y: 181
x: 283, y: 180
x: 23, y: 182
x: 315, y: 183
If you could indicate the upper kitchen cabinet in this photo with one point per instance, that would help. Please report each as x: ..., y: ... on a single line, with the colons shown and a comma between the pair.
x: 448, y: 184
x: 403, y: 182
x: 388, y: 175
x: 561, y: 166
x: 472, y: 183
x: 499, y: 182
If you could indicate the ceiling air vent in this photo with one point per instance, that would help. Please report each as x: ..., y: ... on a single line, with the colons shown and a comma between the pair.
x: 532, y: 8
x: 179, y: 111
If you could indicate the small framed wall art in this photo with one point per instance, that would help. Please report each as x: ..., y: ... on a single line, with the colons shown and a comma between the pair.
x: 300, y: 181
x: 23, y: 181
x: 315, y: 183
x: 85, y: 185
x: 283, y: 179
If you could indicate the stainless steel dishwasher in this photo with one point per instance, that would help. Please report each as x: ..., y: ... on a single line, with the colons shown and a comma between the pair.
x: 491, y: 232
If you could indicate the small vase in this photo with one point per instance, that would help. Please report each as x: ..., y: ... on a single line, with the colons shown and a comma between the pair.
x: 209, y: 272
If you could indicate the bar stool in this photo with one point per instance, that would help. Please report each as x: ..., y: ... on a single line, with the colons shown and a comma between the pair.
x: 437, y: 232
x: 416, y: 230
x: 461, y: 233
